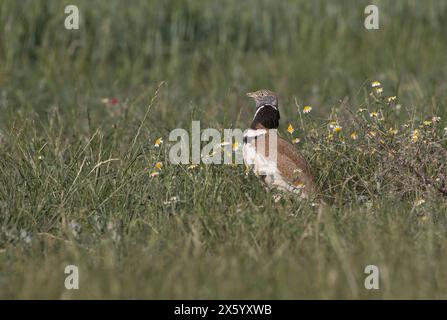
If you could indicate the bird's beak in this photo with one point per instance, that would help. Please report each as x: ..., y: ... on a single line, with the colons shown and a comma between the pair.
x: 251, y: 95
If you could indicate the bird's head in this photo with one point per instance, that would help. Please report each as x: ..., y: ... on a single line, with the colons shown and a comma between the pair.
x: 264, y: 97
x: 267, y: 113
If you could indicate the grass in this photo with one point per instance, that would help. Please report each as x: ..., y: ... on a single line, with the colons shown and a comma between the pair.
x: 75, y: 185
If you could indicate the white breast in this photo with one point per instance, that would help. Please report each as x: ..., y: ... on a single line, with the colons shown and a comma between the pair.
x: 258, y: 162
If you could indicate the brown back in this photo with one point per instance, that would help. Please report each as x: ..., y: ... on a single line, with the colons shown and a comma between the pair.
x: 292, y: 164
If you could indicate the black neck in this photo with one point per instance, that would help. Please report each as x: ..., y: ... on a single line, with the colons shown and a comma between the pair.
x: 267, y: 116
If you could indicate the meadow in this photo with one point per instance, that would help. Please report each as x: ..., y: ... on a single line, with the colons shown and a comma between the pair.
x: 81, y: 112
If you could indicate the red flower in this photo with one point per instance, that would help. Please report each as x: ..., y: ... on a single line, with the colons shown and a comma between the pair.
x: 114, y: 101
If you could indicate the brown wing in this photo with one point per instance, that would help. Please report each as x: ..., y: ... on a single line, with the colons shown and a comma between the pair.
x: 291, y: 163
x: 293, y: 166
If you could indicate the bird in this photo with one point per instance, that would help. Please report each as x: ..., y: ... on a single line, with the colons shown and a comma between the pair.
x: 289, y: 172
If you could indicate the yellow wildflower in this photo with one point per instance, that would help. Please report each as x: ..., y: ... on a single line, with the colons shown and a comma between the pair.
x: 296, y: 140
x: 158, y: 142
x: 375, y: 84
x: 334, y: 126
x: 158, y: 165
x: 290, y: 129
x: 354, y: 135
x: 392, y: 99
x: 415, y: 135
x: 307, y: 109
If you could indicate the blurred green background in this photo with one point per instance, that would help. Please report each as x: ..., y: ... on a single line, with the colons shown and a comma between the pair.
x: 212, y: 52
